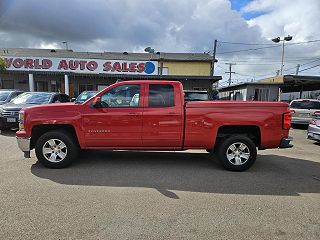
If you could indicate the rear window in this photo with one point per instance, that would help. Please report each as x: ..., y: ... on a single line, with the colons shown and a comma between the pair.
x: 305, y: 104
x: 161, y: 95
x: 194, y: 96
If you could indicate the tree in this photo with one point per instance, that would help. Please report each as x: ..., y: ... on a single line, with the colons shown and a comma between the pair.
x: 3, y: 66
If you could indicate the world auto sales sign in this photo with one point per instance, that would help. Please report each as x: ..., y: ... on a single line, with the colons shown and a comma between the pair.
x: 94, y: 66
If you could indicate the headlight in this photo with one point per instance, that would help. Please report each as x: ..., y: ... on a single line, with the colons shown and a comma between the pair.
x: 21, y: 120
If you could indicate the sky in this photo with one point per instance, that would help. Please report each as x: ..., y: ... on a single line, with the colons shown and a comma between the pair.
x: 175, y: 26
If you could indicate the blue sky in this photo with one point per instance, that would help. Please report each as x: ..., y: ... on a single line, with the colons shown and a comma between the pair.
x: 238, y: 4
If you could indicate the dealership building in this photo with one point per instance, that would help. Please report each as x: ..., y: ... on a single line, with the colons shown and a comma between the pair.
x: 72, y: 72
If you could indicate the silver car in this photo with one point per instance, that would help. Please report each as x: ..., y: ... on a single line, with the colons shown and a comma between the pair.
x: 303, y: 110
x: 314, y: 128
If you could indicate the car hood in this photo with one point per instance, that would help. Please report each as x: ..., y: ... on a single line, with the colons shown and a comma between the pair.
x: 53, y: 107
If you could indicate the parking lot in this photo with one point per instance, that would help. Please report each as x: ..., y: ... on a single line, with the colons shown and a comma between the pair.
x: 152, y: 195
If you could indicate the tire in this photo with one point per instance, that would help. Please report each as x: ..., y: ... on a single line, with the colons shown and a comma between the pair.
x: 237, y: 153
x: 56, y: 149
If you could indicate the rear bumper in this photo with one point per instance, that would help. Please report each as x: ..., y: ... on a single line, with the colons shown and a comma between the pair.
x: 304, y: 121
x: 285, y: 142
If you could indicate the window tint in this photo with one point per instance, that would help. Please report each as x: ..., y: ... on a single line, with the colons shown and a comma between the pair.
x: 64, y: 98
x: 305, y: 104
x: 161, y: 95
x: 56, y: 99
x: 122, y: 96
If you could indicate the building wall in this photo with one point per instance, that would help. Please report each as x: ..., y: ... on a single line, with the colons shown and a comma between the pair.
x: 275, y: 79
x: 272, y: 96
x: 188, y: 68
x: 246, y: 93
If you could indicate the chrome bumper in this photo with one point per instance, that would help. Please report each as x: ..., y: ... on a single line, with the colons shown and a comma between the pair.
x: 24, y: 145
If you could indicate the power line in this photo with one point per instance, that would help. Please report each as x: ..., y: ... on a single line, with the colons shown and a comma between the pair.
x: 250, y: 49
x: 309, y: 68
x: 238, y: 43
x: 272, y: 46
x: 267, y: 44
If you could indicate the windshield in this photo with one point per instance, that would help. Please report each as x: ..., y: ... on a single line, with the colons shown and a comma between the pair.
x: 4, y: 95
x: 189, y: 96
x: 32, y: 98
x: 305, y: 104
x: 84, y: 96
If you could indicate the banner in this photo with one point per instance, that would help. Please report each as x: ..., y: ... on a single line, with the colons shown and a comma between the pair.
x: 94, y: 66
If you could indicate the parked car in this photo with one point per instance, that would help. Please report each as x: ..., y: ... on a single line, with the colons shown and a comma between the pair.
x: 314, y: 128
x: 152, y: 115
x: 9, y: 112
x: 6, y: 95
x: 195, y: 95
x: 84, y: 96
x: 303, y: 110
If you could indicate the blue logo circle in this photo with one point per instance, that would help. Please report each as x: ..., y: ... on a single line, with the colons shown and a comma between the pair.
x: 149, y: 67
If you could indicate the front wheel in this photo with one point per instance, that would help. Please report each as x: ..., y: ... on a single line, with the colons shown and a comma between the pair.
x: 237, y: 153
x: 56, y: 149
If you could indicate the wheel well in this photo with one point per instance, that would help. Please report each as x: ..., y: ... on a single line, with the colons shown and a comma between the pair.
x: 39, y: 130
x: 251, y: 131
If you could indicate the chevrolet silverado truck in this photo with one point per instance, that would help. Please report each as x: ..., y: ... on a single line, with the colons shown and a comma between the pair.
x: 152, y: 115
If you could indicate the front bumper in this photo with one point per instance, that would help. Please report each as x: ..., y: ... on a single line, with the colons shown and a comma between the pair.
x: 4, y: 122
x: 24, y: 145
x: 285, y: 142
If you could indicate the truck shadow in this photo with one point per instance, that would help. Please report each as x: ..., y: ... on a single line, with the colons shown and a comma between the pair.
x: 185, y: 171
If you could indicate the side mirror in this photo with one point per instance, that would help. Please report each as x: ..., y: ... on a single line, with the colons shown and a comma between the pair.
x: 96, y: 102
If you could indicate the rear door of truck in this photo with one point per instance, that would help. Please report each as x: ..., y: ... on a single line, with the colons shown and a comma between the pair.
x: 163, y: 116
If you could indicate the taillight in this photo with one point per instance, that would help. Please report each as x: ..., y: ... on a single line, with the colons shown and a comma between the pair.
x: 316, y: 113
x: 286, y: 124
x: 313, y: 122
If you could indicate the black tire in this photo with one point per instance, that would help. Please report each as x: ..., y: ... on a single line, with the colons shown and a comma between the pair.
x: 69, y: 150
x: 241, y: 158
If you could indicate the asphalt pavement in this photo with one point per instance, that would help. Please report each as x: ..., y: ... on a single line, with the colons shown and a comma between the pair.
x: 161, y: 195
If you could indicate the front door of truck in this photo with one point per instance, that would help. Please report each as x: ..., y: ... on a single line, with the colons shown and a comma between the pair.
x: 162, y: 118
x: 117, y: 123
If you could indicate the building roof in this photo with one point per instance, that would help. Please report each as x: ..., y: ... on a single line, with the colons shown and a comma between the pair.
x: 243, y: 85
x: 61, y: 53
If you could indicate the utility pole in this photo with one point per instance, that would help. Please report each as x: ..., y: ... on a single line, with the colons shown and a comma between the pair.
x: 297, y: 70
x: 66, y: 43
x: 214, y: 56
x: 230, y: 72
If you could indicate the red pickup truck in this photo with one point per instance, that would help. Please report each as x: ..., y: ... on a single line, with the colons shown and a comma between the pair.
x: 152, y: 115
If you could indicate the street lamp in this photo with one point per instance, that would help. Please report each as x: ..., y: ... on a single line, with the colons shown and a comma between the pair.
x: 277, y: 40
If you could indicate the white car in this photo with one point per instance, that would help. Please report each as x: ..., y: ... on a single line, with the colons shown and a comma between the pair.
x: 303, y: 110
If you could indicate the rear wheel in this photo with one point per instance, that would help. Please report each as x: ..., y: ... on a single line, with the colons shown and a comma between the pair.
x: 56, y: 149
x: 237, y: 153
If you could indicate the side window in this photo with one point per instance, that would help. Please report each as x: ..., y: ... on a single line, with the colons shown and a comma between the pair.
x: 64, y: 98
x: 161, y: 95
x: 123, y: 96
x: 56, y: 99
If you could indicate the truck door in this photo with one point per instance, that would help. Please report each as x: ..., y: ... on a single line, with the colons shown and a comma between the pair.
x: 118, y: 122
x: 162, y: 117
